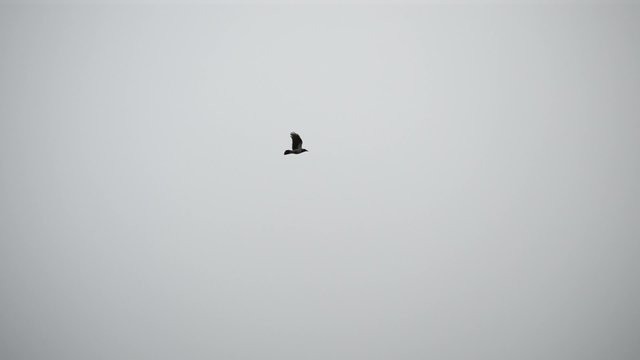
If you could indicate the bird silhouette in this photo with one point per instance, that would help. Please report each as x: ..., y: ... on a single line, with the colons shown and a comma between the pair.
x: 296, y: 145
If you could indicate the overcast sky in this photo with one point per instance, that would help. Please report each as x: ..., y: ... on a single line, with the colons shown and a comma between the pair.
x: 470, y: 191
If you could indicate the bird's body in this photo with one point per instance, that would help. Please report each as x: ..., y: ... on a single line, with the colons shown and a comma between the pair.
x: 296, y: 145
x: 296, y: 151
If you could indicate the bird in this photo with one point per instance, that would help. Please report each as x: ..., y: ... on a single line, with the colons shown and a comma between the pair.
x: 296, y: 145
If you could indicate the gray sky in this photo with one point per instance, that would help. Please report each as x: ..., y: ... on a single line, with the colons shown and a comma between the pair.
x: 470, y: 190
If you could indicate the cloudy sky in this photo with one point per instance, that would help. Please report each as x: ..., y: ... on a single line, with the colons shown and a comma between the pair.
x: 470, y: 191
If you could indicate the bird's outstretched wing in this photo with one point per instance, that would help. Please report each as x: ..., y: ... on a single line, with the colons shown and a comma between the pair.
x: 296, y: 141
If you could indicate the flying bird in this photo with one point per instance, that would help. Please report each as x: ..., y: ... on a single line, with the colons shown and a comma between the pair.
x: 296, y: 145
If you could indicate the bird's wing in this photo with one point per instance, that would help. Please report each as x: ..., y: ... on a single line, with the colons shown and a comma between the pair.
x: 296, y: 141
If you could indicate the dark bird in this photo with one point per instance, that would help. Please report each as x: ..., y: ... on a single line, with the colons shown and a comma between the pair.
x: 296, y: 145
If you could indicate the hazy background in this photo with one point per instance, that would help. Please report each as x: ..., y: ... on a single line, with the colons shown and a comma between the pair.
x: 470, y: 191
